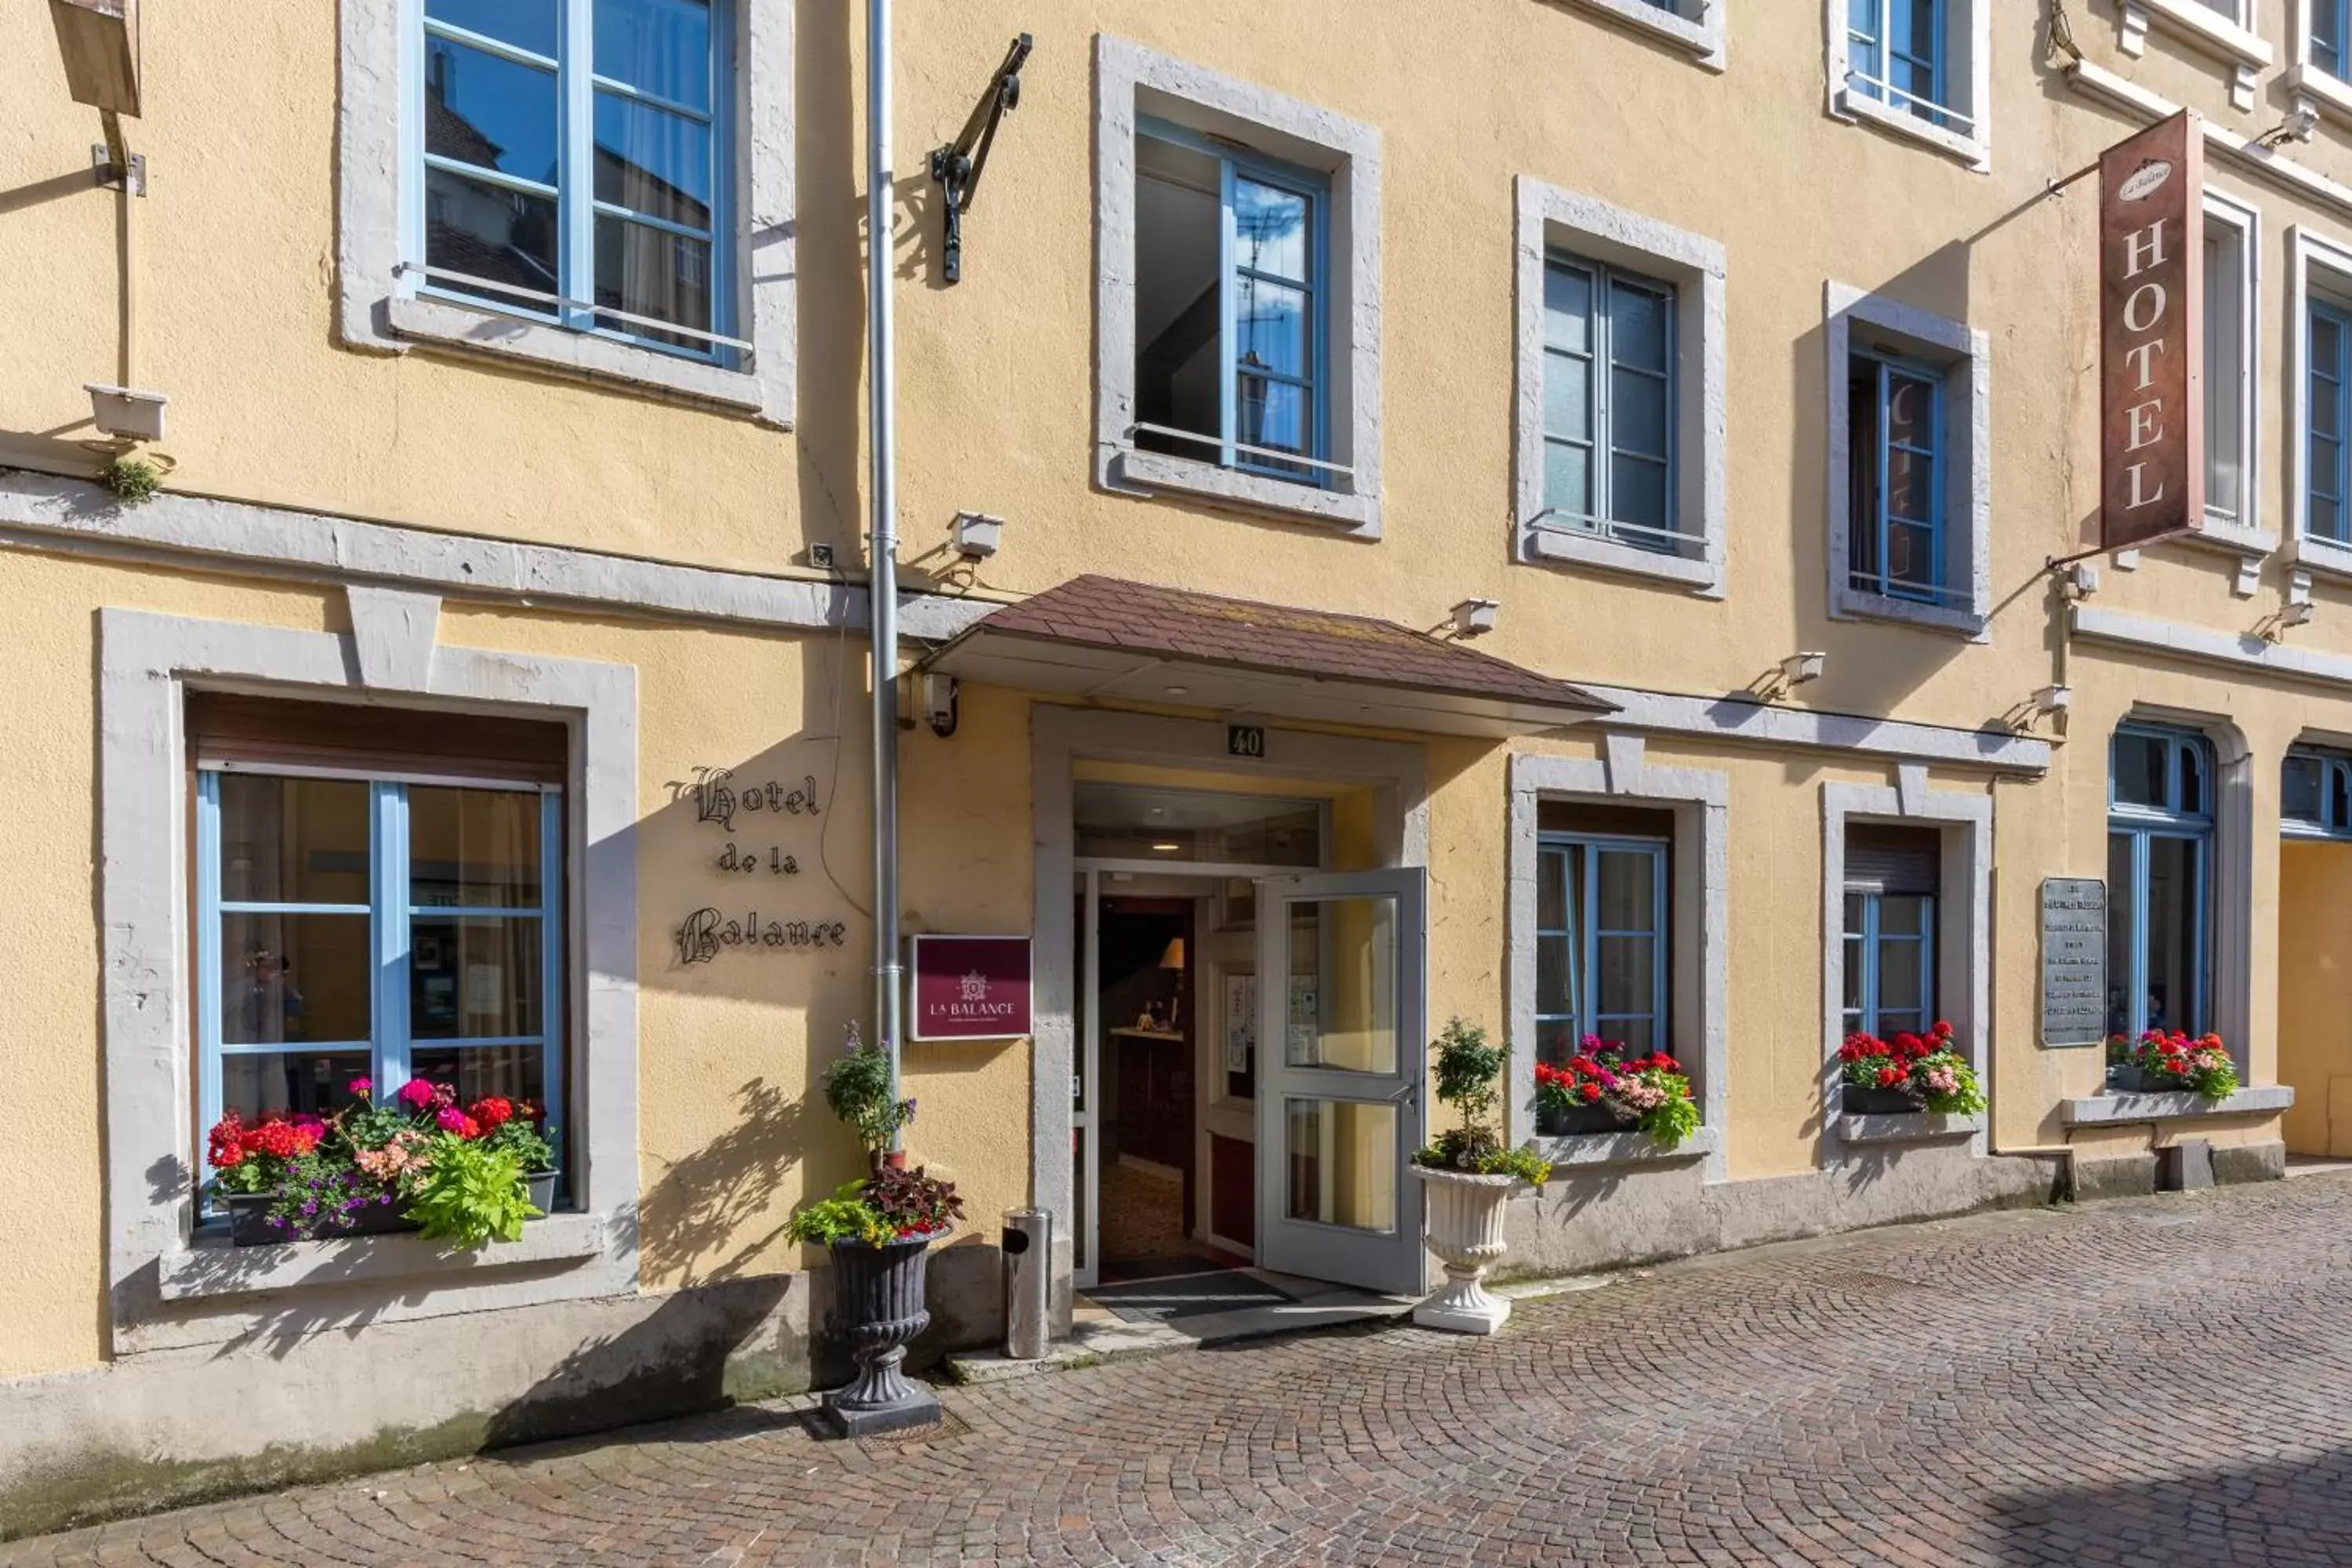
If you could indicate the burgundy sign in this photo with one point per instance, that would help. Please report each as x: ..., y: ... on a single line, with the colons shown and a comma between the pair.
x: 969, y: 987
x: 2152, y: 334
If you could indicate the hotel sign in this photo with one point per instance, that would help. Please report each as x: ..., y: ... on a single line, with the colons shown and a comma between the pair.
x: 968, y: 987
x: 2073, y: 961
x: 2152, y: 334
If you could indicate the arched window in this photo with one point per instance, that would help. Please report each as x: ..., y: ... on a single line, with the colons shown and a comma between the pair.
x: 2159, y: 881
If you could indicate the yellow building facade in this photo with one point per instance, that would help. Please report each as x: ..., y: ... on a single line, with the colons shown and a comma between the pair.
x: 1407, y: 467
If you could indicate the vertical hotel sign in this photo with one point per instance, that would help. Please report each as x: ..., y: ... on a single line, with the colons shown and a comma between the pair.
x: 2152, y: 334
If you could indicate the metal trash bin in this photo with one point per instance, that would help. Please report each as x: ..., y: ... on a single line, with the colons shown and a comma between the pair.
x: 1028, y: 1248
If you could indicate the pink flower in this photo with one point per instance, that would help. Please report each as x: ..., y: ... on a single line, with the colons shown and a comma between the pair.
x: 416, y: 1094
x: 452, y: 1119
x: 359, y: 1087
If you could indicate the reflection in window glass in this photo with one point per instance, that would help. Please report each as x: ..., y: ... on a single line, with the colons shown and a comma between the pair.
x: 1339, y: 1164
x: 1601, y: 945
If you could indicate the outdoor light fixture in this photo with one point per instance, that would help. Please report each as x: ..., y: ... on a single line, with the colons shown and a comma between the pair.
x: 1476, y: 617
x: 2082, y: 581
x: 1167, y: 848
x: 939, y: 704
x: 1791, y: 672
x: 99, y: 42
x: 127, y: 412
x: 977, y: 535
x: 2300, y: 122
x: 2054, y: 699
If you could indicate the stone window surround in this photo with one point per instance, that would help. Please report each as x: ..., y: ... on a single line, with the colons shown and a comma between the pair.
x: 165, y: 1290
x: 1549, y: 218
x: 2309, y: 252
x: 2230, y: 39
x: 1703, y: 38
x: 1062, y: 735
x: 1963, y: 821
x: 378, y: 305
x: 1974, y: 149
x: 1699, y: 1000
x: 1967, y: 354
x: 1130, y: 79
x: 2315, y: 88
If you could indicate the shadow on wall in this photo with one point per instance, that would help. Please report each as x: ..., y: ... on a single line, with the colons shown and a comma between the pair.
x: 709, y: 1215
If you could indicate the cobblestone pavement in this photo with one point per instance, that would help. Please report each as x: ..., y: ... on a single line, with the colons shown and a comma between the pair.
x: 2164, y: 1381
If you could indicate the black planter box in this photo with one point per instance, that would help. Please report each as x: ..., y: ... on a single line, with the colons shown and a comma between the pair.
x: 248, y: 1215
x: 1860, y: 1102
x: 1559, y: 1122
x: 540, y: 1190
x: 2131, y: 1079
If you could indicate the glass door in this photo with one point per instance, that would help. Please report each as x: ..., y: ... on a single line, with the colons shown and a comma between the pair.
x: 1341, y: 1061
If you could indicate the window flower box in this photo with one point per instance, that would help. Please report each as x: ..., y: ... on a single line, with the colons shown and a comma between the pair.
x: 2162, y: 1063
x: 1908, y: 1075
x: 1601, y: 1089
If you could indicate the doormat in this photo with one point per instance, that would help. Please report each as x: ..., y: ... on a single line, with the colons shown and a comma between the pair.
x: 1188, y: 1296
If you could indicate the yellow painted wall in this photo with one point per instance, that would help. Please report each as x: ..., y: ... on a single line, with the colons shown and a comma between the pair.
x: 2315, y: 924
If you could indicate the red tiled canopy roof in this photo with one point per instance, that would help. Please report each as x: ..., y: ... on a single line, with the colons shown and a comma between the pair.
x: 1148, y: 620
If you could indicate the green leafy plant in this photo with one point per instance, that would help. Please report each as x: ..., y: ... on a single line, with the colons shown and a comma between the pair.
x: 470, y: 1194
x: 1467, y: 1067
x: 133, y: 479
x: 532, y: 1146
x: 892, y: 1204
x: 843, y: 1216
x: 857, y: 1087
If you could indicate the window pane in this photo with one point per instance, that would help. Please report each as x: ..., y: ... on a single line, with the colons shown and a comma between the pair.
x: 1628, y: 891
x: 1628, y: 967
x: 2122, y: 894
x: 2326, y: 407
x: 474, y: 978
x: 1635, y: 1037
x: 2172, y: 934
x: 1270, y: 229
x: 1340, y: 1165
x: 1552, y: 960
x: 1901, y: 976
x: 1555, y: 1040
x: 1568, y: 397
x: 492, y: 112
x: 1178, y: 298
x: 295, y: 977
x: 2340, y: 793
x: 473, y: 849
x: 1551, y: 891
x: 1861, y: 476
x: 1637, y: 327
x: 661, y: 47
x: 252, y: 1086
x: 2326, y: 517
x: 1270, y: 320
x: 1911, y: 555
x: 1857, y: 908
x: 1902, y: 914
x: 2192, y: 780
x: 526, y: 24
x: 1637, y: 494
x: 293, y: 841
x: 1638, y: 412
x: 1272, y: 414
x: 1344, y: 954
x: 2299, y: 789
x: 1568, y: 309
x: 2223, y: 368
x: 649, y: 271
x: 487, y: 231
x: 1568, y: 479
x: 1854, y: 971
x: 652, y: 162
x: 513, y: 1072
x: 2139, y: 764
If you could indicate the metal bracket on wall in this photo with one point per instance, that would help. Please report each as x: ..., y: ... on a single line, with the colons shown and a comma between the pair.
x: 957, y: 167
x: 131, y: 174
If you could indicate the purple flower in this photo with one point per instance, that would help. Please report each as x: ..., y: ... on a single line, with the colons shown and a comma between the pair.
x: 311, y: 1207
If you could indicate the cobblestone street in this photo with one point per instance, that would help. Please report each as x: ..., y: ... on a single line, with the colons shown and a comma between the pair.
x: 2161, y: 1381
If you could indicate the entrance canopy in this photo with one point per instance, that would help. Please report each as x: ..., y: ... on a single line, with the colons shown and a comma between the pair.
x: 1105, y: 637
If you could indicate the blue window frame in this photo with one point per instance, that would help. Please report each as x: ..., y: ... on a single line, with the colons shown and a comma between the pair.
x: 1890, y: 962
x: 353, y: 927
x: 1232, y: 353
x: 1609, y: 403
x: 2330, y: 333
x: 2160, y: 876
x: 1896, y: 52
x: 1896, y: 416
x: 1600, y: 943
x: 2331, y: 23
x: 576, y: 162
x: 2315, y: 794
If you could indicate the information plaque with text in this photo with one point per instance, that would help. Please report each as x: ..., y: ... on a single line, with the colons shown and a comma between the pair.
x: 2073, y: 961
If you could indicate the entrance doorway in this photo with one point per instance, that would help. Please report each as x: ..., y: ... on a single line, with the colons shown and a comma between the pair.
x: 1196, y: 1146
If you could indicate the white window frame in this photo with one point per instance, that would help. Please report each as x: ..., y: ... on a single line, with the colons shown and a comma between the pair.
x: 1131, y: 81
x: 1702, y: 36
x: 2230, y: 38
x: 1965, y: 356
x: 2243, y: 534
x: 1974, y: 32
x: 2323, y: 90
x: 381, y: 306
x: 1550, y: 218
x: 1962, y: 985
x: 1698, y: 980
x: 2309, y: 253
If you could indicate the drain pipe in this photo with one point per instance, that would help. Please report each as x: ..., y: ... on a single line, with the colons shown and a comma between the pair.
x: 882, y: 421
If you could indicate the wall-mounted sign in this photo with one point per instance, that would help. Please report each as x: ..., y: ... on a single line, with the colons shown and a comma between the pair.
x: 1244, y: 740
x: 727, y: 806
x: 2152, y: 334
x: 966, y: 987
x: 2073, y: 961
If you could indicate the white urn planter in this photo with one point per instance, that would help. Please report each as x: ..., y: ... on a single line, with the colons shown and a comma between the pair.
x: 1465, y: 1234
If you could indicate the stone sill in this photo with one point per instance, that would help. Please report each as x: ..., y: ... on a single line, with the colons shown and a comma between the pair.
x: 213, y: 1268
x: 1971, y: 150
x: 2095, y: 1109
x: 1920, y: 1127
x: 437, y: 322
x: 2321, y: 555
x: 1856, y: 604
x: 2330, y: 96
x: 1157, y: 471
x: 1587, y: 1151
x: 1703, y: 39
x: 1560, y: 546
x: 2215, y: 34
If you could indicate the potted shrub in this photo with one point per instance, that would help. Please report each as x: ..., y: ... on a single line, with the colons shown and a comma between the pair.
x: 857, y: 1090
x: 1908, y: 1075
x: 1469, y: 1175
x: 2160, y: 1063
x: 419, y: 1162
x: 879, y: 1231
x: 1600, y: 1089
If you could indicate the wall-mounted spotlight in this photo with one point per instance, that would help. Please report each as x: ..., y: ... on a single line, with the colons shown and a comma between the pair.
x: 1474, y: 618
x: 1785, y: 677
x: 939, y: 703
x: 977, y: 535
x: 2301, y: 121
x: 2052, y: 699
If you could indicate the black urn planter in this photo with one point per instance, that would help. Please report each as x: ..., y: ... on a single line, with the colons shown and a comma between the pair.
x: 1861, y: 1101
x: 878, y: 1306
x: 1563, y: 1121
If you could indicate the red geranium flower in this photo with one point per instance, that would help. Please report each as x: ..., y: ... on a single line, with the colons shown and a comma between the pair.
x: 493, y: 1112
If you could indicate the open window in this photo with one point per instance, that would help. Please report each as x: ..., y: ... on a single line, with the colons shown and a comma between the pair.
x: 1918, y: 67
